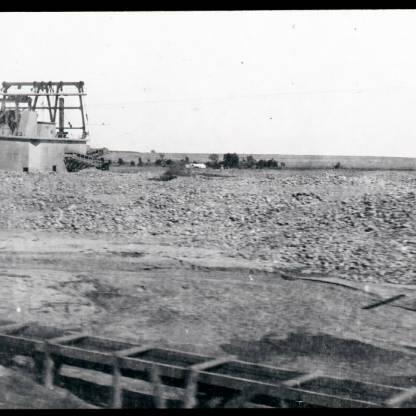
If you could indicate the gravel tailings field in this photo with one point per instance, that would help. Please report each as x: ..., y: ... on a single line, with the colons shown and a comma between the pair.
x: 358, y: 226
x: 238, y: 263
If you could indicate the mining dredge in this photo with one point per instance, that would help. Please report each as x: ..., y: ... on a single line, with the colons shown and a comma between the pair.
x: 28, y: 143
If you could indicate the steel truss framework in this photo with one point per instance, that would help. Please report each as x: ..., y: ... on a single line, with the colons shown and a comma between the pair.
x: 26, y: 95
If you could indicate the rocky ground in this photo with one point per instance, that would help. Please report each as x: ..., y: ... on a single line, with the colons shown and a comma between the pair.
x: 19, y: 391
x: 272, y: 266
x: 354, y: 225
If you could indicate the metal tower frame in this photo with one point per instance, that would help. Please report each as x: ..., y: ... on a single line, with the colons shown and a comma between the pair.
x: 28, y: 93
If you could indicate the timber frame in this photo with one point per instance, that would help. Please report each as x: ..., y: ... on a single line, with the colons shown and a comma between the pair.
x: 203, y: 381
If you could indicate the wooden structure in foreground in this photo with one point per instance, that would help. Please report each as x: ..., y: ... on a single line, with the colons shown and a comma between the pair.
x: 200, y: 381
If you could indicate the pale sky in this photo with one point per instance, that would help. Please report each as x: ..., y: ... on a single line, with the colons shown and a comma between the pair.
x: 288, y: 82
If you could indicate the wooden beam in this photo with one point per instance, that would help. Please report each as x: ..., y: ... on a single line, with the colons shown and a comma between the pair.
x: 236, y: 375
x: 191, y: 390
x: 49, y: 367
x: 117, y: 389
x: 401, y: 398
x: 89, y: 386
x: 191, y: 384
x: 245, y: 395
x: 303, y: 379
x: 68, y: 338
x: 12, y: 327
x: 134, y: 350
x: 19, y: 345
x: 157, y: 388
x: 213, y: 363
x: 384, y: 302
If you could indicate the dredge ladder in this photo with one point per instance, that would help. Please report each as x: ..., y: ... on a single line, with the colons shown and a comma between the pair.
x: 76, y: 161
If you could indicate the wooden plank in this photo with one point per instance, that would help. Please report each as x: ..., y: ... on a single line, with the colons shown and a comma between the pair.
x: 157, y: 388
x: 106, y: 340
x: 117, y: 389
x: 279, y: 390
x: 191, y: 390
x: 48, y: 368
x: 134, y: 350
x: 86, y: 385
x: 140, y: 365
x: 110, y: 342
x: 191, y: 387
x: 354, y: 389
x: 245, y: 395
x: 245, y: 370
x: 110, y: 346
x: 67, y: 338
x: 383, y: 302
x: 401, y: 398
x: 250, y: 405
x: 4, y: 329
x: 19, y: 345
x: 302, y: 379
x: 328, y: 400
x: 169, y: 357
x: 197, y: 357
x: 286, y: 389
x: 310, y: 397
x: 228, y: 381
x: 81, y: 354
x: 348, y: 391
x: 213, y: 363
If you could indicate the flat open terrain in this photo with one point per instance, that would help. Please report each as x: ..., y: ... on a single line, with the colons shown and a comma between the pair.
x: 274, y: 266
x: 291, y: 161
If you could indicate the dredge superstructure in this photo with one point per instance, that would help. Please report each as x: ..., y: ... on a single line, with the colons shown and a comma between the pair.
x: 29, y: 143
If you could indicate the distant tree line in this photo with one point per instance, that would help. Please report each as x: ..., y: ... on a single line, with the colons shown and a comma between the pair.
x: 229, y: 161
x: 160, y: 161
x: 233, y: 161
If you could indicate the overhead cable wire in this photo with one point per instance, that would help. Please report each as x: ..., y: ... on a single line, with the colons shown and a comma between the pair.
x: 246, y: 96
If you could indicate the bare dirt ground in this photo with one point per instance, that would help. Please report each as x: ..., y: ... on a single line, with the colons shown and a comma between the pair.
x: 18, y: 391
x: 274, y: 267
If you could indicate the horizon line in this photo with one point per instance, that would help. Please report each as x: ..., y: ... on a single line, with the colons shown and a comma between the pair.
x: 253, y: 154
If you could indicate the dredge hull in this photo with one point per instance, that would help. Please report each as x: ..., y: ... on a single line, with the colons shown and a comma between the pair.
x: 37, y: 154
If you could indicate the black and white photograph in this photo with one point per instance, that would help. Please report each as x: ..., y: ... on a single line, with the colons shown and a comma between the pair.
x: 208, y: 209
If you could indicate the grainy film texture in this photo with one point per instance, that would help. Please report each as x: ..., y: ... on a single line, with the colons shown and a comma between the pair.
x: 208, y: 209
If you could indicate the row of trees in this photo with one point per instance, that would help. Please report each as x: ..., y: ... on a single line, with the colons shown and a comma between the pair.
x: 232, y: 160
x: 121, y: 162
x: 161, y: 161
x: 229, y: 161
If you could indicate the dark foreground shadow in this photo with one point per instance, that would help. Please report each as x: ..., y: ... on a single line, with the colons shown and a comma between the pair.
x: 341, y: 353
